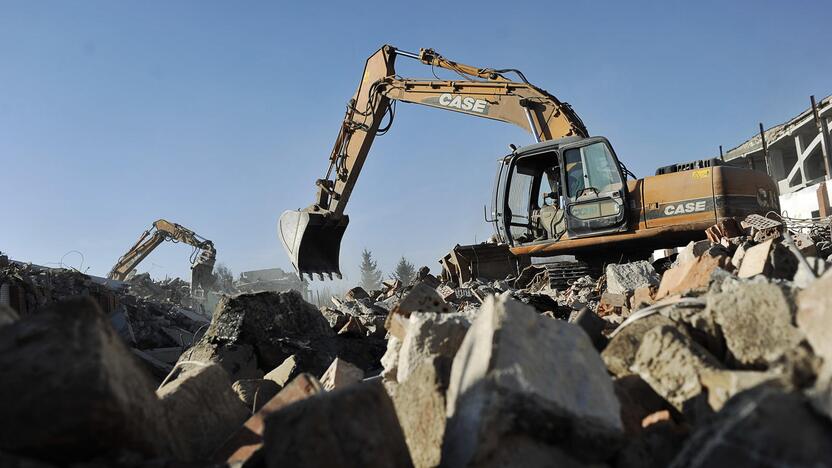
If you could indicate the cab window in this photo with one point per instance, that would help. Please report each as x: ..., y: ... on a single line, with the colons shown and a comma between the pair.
x: 591, y: 170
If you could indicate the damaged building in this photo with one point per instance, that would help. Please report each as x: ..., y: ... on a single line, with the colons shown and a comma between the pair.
x: 796, y: 154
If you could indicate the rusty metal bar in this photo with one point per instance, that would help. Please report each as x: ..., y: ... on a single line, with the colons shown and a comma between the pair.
x: 765, y: 149
x: 824, y: 131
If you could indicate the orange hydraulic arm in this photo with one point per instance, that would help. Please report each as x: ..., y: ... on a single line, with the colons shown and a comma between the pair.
x: 312, y: 236
x: 161, y: 231
x: 482, y: 92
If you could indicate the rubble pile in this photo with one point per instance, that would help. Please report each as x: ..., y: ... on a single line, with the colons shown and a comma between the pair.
x: 157, y: 331
x: 717, y: 356
x: 170, y: 290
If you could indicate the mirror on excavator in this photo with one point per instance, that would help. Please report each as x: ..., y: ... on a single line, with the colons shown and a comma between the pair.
x: 313, y: 241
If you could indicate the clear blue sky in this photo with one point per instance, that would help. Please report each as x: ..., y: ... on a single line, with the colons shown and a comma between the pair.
x: 220, y: 115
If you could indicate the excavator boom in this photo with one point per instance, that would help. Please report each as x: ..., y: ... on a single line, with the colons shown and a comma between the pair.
x: 312, y: 236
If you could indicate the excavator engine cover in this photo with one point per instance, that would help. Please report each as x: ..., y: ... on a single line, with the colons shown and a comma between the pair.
x: 313, y: 241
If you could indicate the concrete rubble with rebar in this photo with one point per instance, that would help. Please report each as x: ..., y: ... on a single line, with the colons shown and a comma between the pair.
x: 717, y: 356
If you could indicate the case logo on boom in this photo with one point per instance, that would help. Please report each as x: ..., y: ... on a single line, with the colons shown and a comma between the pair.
x: 480, y: 106
x: 683, y: 208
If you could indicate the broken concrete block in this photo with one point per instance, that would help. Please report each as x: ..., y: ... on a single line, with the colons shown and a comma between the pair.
x: 755, y: 260
x: 246, y: 443
x: 671, y: 363
x: 355, y: 426
x: 700, y: 324
x: 693, y: 250
x: 238, y: 360
x: 739, y: 254
x: 422, y: 298
x: 353, y: 327
x: 724, y: 384
x: 430, y: 334
x: 390, y: 360
x: 620, y: 352
x: 275, y: 326
x: 627, y: 277
x: 72, y: 389
x: 340, y: 374
x: 254, y: 393
x: 804, y: 244
x: 446, y: 292
x: 612, y: 303
x: 691, y: 276
x: 513, y: 380
x: 814, y: 315
x: 756, y: 321
x: 285, y: 372
x: 202, y: 408
x: 356, y: 293
x: 420, y: 405
x: 335, y: 317
x: 7, y: 315
x: 764, y: 426
x: 642, y: 297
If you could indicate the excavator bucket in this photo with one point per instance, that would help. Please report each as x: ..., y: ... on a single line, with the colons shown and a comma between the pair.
x: 313, y: 241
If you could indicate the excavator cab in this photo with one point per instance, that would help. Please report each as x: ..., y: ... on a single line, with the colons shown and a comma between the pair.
x: 568, y: 188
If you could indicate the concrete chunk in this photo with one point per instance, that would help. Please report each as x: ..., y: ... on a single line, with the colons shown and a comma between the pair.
x: 70, y: 383
x: 755, y: 260
x: 420, y: 405
x: 247, y: 441
x: 814, y: 315
x: 285, y: 372
x: 430, y: 334
x: 691, y: 276
x: 355, y: 426
x: 627, y: 277
x: 765, y: 426
x: 756, y: 322
x: 724, y: 384
x: 203, y: 409
x: 254, y: 393
x: 514, y: 378
x: 671, y: 363
x: 621, y: 350
x: 693, y: 250
x: 340, y: 374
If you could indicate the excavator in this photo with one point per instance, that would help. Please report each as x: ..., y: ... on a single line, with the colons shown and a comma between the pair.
x: 565, y: 194
x: 202, y: 264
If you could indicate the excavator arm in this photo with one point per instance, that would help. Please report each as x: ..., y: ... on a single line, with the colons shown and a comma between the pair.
x: 312, y: 236
x: 161, y: 231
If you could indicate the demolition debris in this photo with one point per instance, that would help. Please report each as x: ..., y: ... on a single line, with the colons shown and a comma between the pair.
x: 717, y: 355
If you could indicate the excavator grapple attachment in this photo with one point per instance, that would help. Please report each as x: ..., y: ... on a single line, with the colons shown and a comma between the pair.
x: 313, y: 241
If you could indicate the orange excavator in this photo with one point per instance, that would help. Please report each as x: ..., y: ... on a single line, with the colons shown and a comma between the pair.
x: 566, y: 194
x: 202, y: 258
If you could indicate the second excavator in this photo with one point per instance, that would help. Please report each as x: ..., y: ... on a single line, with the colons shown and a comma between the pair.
x: 565, y: 194
x: 202, y: 258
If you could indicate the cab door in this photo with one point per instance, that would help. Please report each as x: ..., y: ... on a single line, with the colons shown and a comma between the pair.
x: 498, y: 202
x: 596, y: 195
